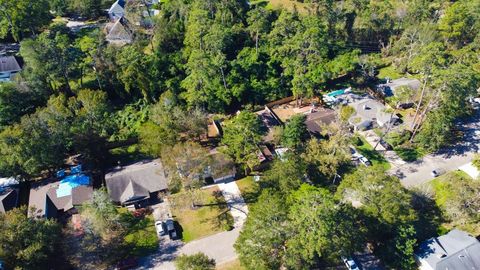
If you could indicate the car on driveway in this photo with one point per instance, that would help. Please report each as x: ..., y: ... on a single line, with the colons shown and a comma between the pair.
x: 171, y: 228
x: 437, y: 172
x: 350, y: 264
x: 365, y: 161
x: 159, y: 228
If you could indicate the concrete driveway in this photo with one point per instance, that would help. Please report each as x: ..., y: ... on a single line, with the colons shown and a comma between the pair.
x: 447, y: 159
x: 218, y: 246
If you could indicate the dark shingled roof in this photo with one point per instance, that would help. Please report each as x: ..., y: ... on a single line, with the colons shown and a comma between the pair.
x: 8, y: 199
x: 136, y: 180
x: 9, y: 64
x: 315, y: 120
x: 454, y: 250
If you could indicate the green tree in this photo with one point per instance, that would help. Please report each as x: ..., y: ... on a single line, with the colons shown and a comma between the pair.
x: 261, y: 244
x: 22, y: 17
x: 380, y: 195
x: 241, y: 137
x: 27, y: 242
x: 286, y: 174
x: 404, y: 248
x: 295, y: 132
x: 86, y: 8
x: 198, y: 261
x: 337, y: 232
x: 326, y: 156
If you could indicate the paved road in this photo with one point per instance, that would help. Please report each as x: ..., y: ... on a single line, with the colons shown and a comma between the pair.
x: 448, y: 159
x: 218, y: 246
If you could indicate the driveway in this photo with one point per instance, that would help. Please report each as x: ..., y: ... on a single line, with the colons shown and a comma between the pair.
x: 372, y: 138
x: 447, y: 159
x: 218, y: 246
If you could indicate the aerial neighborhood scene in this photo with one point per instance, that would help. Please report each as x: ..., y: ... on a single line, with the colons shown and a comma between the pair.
x: 240, y: 135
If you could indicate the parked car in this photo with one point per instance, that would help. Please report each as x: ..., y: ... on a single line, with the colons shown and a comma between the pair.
x: 365, y: 161
x: 437, y: 172
x: 350, y: 264
x: 385, y: 145
x: 159, y: 228
x: 1, y: 265
x: 171, y: 228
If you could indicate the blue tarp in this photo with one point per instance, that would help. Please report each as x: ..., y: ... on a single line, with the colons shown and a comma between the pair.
x: 76, y: 169
x: 70, y: 182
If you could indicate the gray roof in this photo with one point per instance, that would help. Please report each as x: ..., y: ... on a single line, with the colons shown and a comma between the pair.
x: 46, y: 191
x: 117, y: 8
x: 8, y: 199
x: 454, y: 250
x: 136, y: 180
x: 119, y: 33
x: 9, y: 64
x: 370, y: 109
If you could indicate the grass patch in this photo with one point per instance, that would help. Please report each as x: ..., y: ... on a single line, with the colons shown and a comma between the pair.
x: 443, y: 186
x: 249, y: 189
x: 409, y: 154
x: 366, y: 150
x: 209, y: 218
x: 389, y: 72
x: 290, y: 5
x: 142, y: 237
x: 126, y: 155
x: 233, y: 265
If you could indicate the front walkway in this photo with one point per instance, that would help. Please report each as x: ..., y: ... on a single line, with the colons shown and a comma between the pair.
x: 218, y: 246
x: 372, y: 138
x: 236, y: 204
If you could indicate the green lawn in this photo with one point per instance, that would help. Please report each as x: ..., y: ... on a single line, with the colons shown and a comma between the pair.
x: 366, y: 149
x: 210, y: 218
x: 389, y: 72
x: 409, y: 154
x: 441, y: 187
x: 142, y: 237
x: 233, y: 265
x: 127, y: 155
x: 248, y: 188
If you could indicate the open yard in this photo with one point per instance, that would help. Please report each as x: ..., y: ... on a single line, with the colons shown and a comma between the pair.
x: 367, y: 150
x: 443, y: 190
x: 209, y: 217
x: 142, y: 237
x: 233, y: 265
x: 248, y: 188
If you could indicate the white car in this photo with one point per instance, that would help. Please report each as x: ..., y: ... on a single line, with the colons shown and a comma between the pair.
x: 159, y: 228
x: 365, y: 161
x: 350, y: 264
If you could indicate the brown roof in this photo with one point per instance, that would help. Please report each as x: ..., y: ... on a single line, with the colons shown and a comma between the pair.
x: 9, y: 64
x: 45, y: 193
x: 315, y: 120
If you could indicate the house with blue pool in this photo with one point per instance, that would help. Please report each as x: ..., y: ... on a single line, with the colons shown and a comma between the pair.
x: 54, y: 198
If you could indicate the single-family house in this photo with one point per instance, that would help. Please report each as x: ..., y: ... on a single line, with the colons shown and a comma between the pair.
x: 8, y: 68
x: 318, y: 118
x: 119, y: 33
x: 454, y: 250
x: 221, y: 169
x: 52, y: 198
x: 117, y: 10
x: 369, y: 111
x: 269, y: 120
x: 136, y: 185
